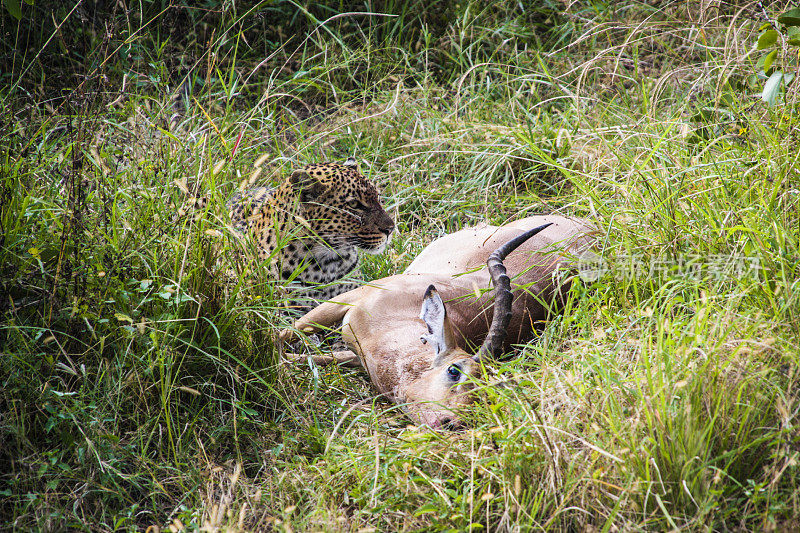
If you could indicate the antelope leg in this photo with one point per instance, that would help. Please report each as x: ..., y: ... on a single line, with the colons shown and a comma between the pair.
x: 343, y: 357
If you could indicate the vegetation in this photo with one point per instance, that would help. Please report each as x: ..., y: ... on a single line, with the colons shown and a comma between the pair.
x: 139, y: 383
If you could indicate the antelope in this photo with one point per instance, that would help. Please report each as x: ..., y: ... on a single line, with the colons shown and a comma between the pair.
x: 414, y: 333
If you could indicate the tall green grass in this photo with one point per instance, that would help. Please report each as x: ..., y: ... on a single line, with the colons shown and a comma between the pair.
x: 140, y: 382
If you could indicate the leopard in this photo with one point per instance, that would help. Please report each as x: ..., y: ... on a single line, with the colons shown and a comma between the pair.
x: 311, y: 226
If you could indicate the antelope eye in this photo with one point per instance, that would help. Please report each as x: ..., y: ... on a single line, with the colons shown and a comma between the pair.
x: 454, y: 372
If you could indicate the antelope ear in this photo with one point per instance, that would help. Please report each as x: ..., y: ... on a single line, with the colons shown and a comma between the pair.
x: 440, y: 331
x: 304, y: 182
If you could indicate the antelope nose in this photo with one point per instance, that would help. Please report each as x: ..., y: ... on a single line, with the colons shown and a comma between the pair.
x: 451, y: 424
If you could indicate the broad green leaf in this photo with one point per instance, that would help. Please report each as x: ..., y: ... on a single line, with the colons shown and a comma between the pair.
x: 770, y: 58
x: 728, y: 98
x: 767, y: 39
x: 122, y: 317
x: 14, y: 8
x: 772, y: 87
x: 793, y: 35
x: 790, y: 18
x: 426, y: 508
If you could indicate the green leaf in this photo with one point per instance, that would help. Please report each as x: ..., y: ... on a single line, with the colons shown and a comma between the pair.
x: 122, y: 317
x: 427, y: 508
x: 793, y: 35
x: 790, y: 18
x: 14, y: 8
x: 788, y: 78
x: 767, y: 39
x: 770, y: 58
x: 772, y: 88
x: 248, y: 411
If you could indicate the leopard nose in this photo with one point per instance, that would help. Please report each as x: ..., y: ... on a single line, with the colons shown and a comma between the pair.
x: 386, y: 226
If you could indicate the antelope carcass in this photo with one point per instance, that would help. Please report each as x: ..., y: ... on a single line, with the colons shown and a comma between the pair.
x: 414, y: 332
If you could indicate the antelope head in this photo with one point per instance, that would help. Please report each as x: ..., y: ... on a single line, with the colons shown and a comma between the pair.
x: 433, y: 396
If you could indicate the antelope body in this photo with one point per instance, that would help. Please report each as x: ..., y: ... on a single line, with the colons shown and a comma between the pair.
x: 411, y: 332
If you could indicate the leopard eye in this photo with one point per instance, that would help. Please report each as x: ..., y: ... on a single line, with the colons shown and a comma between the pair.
x: 355, y: 204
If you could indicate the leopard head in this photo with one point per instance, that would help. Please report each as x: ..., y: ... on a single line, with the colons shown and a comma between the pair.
x: 341, y: 206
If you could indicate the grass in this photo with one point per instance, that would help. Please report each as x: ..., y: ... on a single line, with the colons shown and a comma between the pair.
x: 140, y: 384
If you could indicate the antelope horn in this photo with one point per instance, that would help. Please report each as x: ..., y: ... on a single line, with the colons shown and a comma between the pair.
x: 502, y: 295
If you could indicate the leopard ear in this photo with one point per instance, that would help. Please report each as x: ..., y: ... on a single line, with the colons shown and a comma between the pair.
x: 306, y: 184
x: 300, y: 177
x: 351, y: 162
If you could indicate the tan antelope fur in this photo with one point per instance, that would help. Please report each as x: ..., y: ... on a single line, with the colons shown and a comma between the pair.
x: 411, y: 331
